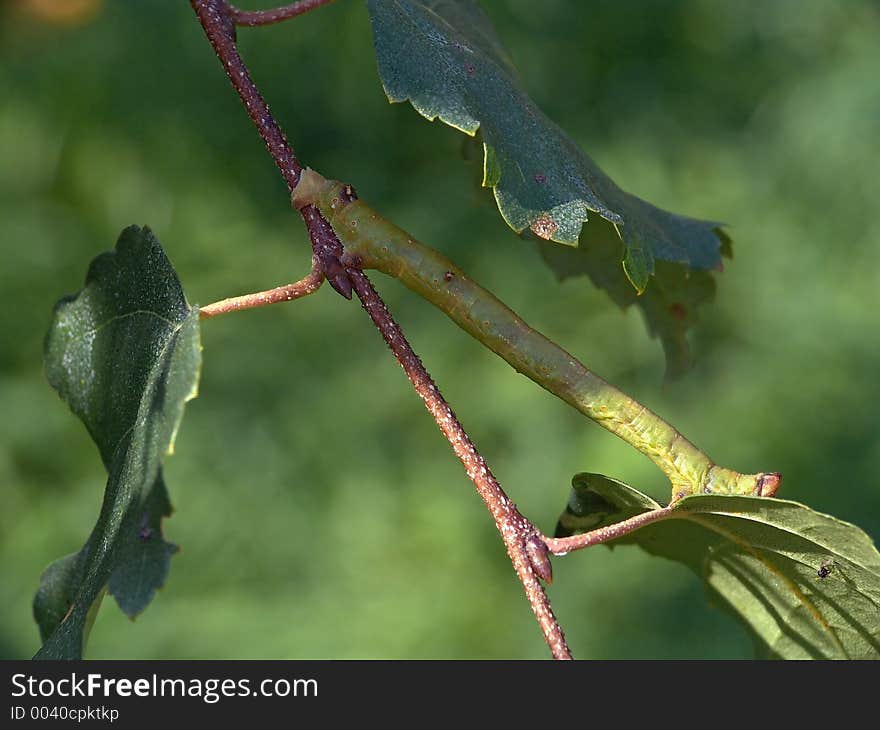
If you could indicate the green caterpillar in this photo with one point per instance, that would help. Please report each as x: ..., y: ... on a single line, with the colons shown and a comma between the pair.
x: 371, y: 242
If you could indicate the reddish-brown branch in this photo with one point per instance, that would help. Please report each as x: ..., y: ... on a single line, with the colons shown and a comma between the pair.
x: 275, y: 15
x: 217, y: 20
x: 524, y: 543
x: 563, y: 545
x: 307, y: 285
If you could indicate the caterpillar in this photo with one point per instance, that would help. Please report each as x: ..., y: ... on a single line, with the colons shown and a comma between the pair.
x: 372, y: 242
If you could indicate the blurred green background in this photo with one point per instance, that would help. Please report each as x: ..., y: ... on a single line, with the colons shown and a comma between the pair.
x: 320, y: 513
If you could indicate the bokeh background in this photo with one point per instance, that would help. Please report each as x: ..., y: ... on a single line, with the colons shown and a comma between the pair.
x: 320, y: 513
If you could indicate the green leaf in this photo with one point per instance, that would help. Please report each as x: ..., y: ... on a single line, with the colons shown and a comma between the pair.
x: 596, y: 501
x: 638, y: 265
x: 124, y: 353
x: 806, y: 585
x: 444, y: 57
x: 56, y: 592
x: 669, y: 303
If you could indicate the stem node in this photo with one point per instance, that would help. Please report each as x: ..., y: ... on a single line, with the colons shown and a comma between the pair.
x: 538, y: 554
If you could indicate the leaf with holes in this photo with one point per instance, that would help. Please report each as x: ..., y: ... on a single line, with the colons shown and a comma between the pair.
x: 124, y: 353
x: 444, y: 57
x: 806, y: 585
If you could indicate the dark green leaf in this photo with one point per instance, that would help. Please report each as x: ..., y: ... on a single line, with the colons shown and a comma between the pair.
x: 596, y: 501
x: 806, y: 585
x: 143, y: 557
x: 669, y: 303
x: 58, y: 585
x: 124, y: 353
x: 444, y: 57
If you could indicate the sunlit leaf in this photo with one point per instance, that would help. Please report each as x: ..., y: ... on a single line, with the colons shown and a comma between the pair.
x: 124, y: 354
x: 806, y: 585
x: 444, y: 57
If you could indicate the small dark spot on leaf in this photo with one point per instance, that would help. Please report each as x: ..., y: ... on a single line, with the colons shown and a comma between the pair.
x: 471, y: 69
x: 540, y: 178
x: 825, y: 568
x: 678, y: 310
x: 145, y: 533
x: 448, y: 276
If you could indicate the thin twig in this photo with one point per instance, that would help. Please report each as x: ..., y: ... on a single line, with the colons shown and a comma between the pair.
x: 563, y: 545
x: 309, y: 284
x: 524, y: 543
x: 217, y: 20
x: 275, y: 15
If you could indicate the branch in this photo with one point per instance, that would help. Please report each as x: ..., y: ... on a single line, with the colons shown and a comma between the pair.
x: 525, y: 545
x: 276, y: 15
x: 216, y: 17
x: 563, y: 545
x: 309, y: 284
